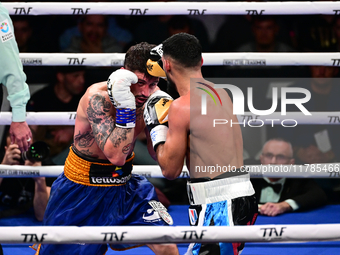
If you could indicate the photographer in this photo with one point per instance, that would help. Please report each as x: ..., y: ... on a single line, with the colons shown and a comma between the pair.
x: 17, y: 195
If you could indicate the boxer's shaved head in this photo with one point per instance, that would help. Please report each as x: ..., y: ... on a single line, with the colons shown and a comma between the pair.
x: 184, y: 48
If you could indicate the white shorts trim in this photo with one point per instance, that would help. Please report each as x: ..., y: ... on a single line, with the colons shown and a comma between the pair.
x: 219, y: 190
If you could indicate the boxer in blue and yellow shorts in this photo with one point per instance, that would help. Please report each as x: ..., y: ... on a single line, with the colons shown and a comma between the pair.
x: 87, y: 189
x: 97, y: 187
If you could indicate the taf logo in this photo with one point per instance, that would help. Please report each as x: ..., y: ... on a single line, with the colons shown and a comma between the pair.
x: 255, y: 12
x: 4, y: 27
x: 273, y: 232
x: 193, y: 216
x: 136, y: 11
x: 204, y: 97
x: 80, y: 11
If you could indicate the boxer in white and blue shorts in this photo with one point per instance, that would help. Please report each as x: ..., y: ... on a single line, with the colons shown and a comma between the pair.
x: 222, y: 201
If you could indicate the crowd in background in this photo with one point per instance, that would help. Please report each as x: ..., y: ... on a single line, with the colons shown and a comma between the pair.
x: 220, y: 33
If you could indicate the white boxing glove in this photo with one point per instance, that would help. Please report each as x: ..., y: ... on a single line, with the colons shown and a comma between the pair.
x: 118, y: 89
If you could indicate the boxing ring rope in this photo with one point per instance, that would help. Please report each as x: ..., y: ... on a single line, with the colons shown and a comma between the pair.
x: 246, y: 119
x: 328, y: 170
x: 185, y: 234
x: 210, y: 59
x: 175, y: 8
x: 178, y: 234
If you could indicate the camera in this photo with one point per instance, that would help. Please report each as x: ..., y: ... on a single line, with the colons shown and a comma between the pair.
x: 38, y: 151
x: 24, y: 197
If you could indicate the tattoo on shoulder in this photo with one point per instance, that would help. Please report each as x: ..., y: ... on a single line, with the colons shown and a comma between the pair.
x: 98, y: 107
x: 102, y: 124
x: 84, y: 140
x: 127, y: 148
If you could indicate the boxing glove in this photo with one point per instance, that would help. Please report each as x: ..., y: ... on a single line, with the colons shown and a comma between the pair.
x: 118, y: 89
x: 154, y: 64
x: 156, y: 116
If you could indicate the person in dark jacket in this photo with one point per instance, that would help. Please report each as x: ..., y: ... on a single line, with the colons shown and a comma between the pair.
x: 279, y: 195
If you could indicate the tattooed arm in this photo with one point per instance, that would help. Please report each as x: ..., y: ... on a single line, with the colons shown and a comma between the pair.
x: 115, y: 142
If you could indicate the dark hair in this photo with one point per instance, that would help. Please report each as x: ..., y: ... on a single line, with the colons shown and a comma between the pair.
x: 137, y: 56
x: 184, y: 48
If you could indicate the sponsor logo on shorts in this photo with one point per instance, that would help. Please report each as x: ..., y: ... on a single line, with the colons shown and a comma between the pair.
x: 162, y: 211
x: 5, y: 31
x: 244, y: 62
x: 193, y: 216
x: 151, y: 216
x: 31, y: 61
x: 109, y: 180
x: 166, y: 217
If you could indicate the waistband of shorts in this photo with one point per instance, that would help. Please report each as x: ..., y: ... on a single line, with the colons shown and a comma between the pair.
x: 217, y: 190
x: 85, y: 172
x: 236, y: 172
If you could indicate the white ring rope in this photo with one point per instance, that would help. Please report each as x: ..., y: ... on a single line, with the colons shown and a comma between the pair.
x: 166, y: 234
x: 132, y: 234
x: 247, y: 119
x: 43, y: 118
x: 209, y: 59
x: 329, y: 170
x: 175, y: 8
